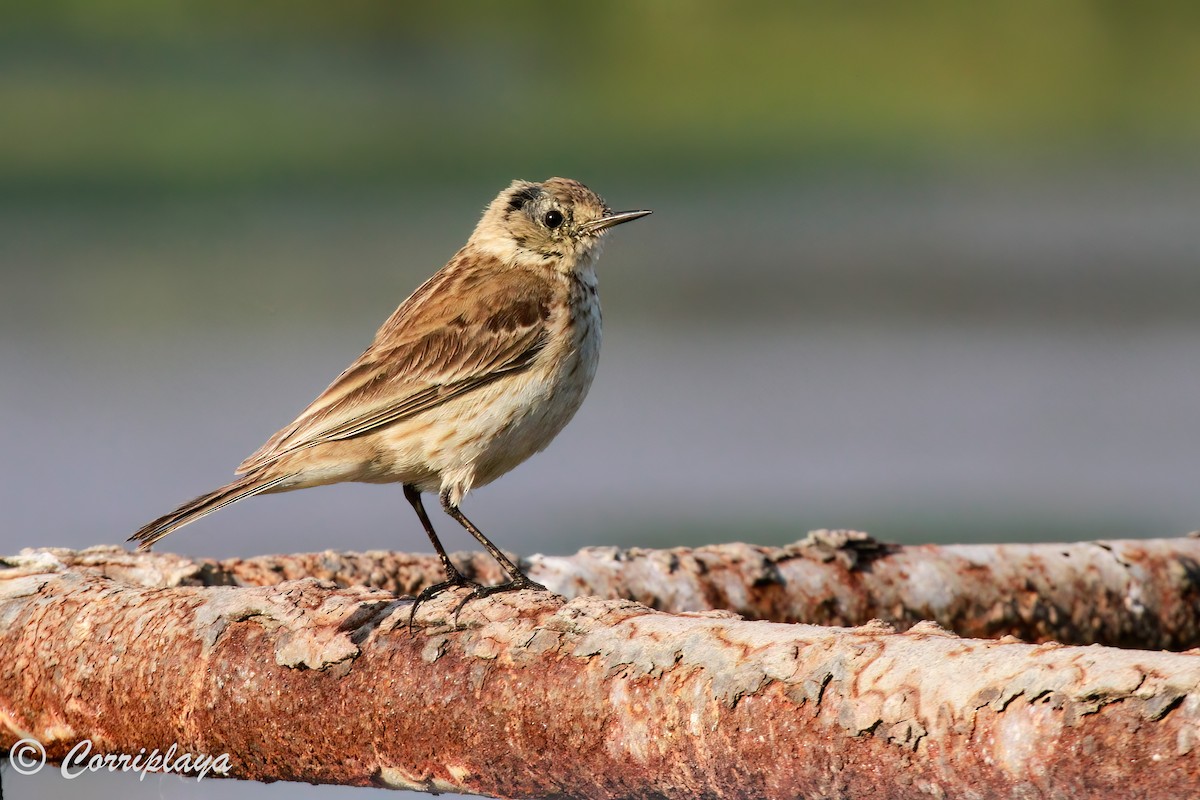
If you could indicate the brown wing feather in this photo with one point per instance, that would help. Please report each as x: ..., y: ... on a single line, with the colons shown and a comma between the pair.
x: 466, y: 326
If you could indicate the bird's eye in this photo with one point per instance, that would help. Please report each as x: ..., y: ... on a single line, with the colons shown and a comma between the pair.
x: 553, y: 218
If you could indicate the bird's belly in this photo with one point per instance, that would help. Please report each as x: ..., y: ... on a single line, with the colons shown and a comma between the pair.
x: 474, y: 439
x: 526, y: 422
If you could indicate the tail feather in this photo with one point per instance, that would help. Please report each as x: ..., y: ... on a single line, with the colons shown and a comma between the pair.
x: 246, y: 486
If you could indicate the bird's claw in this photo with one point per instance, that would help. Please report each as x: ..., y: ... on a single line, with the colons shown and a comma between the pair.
x: 455, y: 580
x: 514, y: 585
x: 478, y: 590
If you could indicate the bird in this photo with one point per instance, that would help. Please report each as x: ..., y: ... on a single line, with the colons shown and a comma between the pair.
x: 479, y: 369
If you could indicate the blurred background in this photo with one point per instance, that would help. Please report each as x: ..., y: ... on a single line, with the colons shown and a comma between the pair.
x: 928, y: 270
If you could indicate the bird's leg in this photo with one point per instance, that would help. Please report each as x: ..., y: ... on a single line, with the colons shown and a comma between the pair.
x: 453, y: 576
x: 452, y: 573
x: 516, y: 578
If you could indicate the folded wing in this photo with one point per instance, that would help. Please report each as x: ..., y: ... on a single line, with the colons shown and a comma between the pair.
x: 461, y: 330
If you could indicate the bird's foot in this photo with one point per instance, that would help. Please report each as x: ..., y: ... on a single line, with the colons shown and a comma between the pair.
x: 453, y: 581
x: 513, y: 585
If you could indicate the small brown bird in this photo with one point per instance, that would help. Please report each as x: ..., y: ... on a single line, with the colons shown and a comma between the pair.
x: 475, y: 372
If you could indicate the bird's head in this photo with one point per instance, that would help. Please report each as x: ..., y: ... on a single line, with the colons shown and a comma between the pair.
x: 559, y: 220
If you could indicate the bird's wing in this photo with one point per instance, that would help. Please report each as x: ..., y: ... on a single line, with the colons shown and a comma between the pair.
x: 461, y: 330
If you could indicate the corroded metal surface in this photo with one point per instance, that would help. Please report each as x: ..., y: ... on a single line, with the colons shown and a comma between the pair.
x: 1131, y: 593
x: 534, y: 696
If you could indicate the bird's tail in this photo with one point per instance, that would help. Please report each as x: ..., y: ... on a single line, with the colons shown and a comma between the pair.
x: 245, y: 486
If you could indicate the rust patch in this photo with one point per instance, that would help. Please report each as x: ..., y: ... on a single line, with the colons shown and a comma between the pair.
x: 641, y: 703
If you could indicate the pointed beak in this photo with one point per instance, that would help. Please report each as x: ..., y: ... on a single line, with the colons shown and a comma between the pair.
x: 606, y: 222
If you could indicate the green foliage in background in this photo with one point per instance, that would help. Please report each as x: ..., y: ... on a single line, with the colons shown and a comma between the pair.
x: 164, y: 95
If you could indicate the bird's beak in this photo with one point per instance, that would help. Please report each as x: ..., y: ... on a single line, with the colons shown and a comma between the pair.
x: 606, y: 222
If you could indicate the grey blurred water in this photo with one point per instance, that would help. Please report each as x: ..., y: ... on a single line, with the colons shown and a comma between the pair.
x: 929, y: 361
x: 975, y: 359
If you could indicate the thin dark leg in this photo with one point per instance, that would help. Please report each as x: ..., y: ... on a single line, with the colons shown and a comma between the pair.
x: 414, y: 497
x: 454, y: 578
x: 517, y: 579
